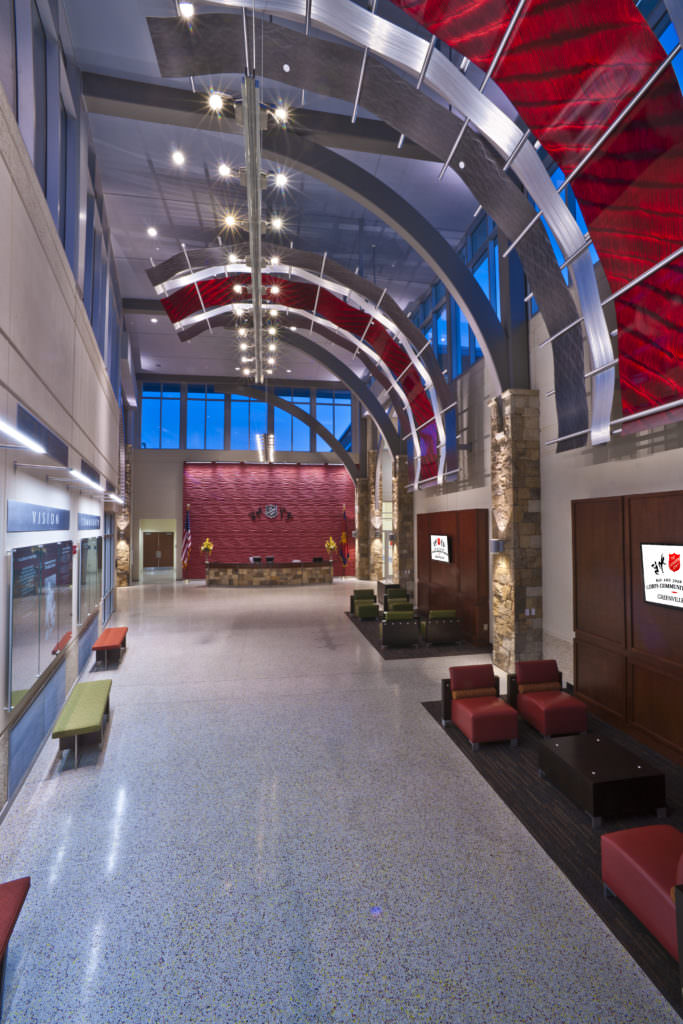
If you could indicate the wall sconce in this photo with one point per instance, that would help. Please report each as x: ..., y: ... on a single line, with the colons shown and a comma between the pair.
x: 497, y: 546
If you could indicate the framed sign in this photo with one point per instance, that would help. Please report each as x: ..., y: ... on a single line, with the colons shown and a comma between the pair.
x: 663, y: 574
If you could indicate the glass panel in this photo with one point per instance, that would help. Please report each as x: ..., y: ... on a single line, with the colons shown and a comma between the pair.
x: 342, y: 420
x: 324, y: 413
x: 150, y: 422
x: 481, y: 275
x: 301, y: 436
x: 40, y: 106
x: 441, y: 339
x: 496, y: 276
x: 239, y: 423
x: 282, y: 428
x: 170, y: 418
x: 215, y: 422
x: 196, y: 413
x: 258, y: 419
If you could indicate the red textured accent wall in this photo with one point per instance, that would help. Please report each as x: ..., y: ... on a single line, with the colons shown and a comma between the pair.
x: 222, y: 497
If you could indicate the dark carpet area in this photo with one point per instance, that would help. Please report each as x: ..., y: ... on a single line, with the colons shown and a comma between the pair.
x: 566, y: 835
x: 370, y: 631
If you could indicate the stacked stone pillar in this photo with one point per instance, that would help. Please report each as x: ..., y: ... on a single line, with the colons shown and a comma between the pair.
x: 123, y: 525
x: 517, y: 608
x: 375, y: 519
x: 362, y: 528
x: 402, y: 513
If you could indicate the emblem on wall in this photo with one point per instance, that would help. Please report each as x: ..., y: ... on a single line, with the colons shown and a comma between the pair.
x: 271, y: 511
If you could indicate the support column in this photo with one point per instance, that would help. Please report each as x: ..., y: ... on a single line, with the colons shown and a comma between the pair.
x: 375, y: 519
x: 517, y: 607
x: 122, y: 519
x: 402, y: 515
x: 362, y: 528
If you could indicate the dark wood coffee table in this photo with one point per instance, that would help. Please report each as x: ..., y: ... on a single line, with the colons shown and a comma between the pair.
x: 602, y: 777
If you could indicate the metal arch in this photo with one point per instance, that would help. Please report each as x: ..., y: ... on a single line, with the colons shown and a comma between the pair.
x: 363, y: 28
x: 252, y: 391
x: 369, y: 298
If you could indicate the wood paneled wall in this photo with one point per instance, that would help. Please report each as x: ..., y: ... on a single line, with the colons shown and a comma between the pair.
x: 462, y: 583
x: 628, y: 654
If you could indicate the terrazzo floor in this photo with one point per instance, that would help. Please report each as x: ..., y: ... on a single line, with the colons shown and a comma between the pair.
x: 276, y: 831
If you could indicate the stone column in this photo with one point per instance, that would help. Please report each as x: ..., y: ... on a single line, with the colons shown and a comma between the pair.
x: 362, y: 528
x: 375, y: 519
x: 122, y: 519
x: 517, y: 607
x: 402, y: 514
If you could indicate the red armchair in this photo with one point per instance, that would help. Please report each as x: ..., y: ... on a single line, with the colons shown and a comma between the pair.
x: 644, y: 868
x: 469, y: 699
x: 535, y: 689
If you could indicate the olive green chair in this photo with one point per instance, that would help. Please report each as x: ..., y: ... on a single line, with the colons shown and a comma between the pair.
x: 442, y: 626
x: 362, y: 595
x: 399, y: 629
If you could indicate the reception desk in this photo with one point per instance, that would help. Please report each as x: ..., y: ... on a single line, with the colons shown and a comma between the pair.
x: 275, y: 574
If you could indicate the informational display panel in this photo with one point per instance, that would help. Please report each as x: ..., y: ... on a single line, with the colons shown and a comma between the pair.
x: 440, y: 547
x: 663, y: 574
x: 91, y: 576
x: 41, y: 582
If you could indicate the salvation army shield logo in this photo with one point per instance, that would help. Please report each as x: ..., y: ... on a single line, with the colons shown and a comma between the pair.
x: 271, y: 511
x: 674, y: 561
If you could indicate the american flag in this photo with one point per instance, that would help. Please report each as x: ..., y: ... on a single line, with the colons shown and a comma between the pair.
x: 187, y: 539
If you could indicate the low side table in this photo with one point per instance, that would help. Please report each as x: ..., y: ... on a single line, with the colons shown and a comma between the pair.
x: 602, y: 778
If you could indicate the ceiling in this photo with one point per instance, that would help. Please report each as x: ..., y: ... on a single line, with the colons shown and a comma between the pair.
x: 143, y: 189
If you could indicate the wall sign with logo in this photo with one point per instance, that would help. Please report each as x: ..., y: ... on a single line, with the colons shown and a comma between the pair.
x: 271, y: 511
x: 23, y: 517
x: 440, y: 547
x: 88, y: 522
x: 663, y: 573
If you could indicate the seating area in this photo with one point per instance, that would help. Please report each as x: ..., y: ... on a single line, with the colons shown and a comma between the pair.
x: 12, y: 896
x: 83, y: 715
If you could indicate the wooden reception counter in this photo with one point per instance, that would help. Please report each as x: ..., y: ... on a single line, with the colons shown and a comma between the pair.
x: 271, y: 574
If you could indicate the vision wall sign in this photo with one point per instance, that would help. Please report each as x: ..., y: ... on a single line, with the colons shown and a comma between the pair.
x: 23, y: 517
x: 662, y: 573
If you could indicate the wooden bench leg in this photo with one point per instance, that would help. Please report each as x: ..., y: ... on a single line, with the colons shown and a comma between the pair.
x: 76, y: 751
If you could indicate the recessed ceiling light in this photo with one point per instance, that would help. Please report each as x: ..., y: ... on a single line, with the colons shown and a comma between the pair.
x: 178, y: 157
x: 292, y: 328
x: 272, y: 331
x: 186, y: 11
x: 154, y: 320
x: 230, y: 220
x: 281, y: 179
x: 269, y: 371
x: 246, y: 370
x: 270, y: 361
x: 237, y: 288
x: 461, y: 165
x: 274, y: 260
x: 242, y: 331
x: 273, y: 312
x: 232, y: 258
x: 288, y: 371
x: 275, y: 289
x: 216, y: 101
x: 281, y: 114
x: 243, y: 346
x: 152, y: 232
x: 272, y: 348
x: 286, y: 68
x: 276, y: 223
x: 225, y: 170
x: 245, y: 359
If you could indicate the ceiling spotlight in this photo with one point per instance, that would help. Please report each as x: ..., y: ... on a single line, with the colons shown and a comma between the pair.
x: 281, y: 114
x: 243, y: 346
x: 246, y: 370
x: 276, y: 223
x: 461, y: 165
x: 272, y: 331
x: 269, y: 371
x: 224, y: 169
x: 152, y: 232
x: 288, y: 371
x: 286, y: 68
x: 292, y: 328
x: 154, y: 320
x: 280, y: 179
x: 237, y: 288
x: 274, y: 260
x: 230, y: 220
x: 244, y: 359
x: 178, y: 157
x: 272, y: 348
x: 216, y: 101
x: 275, y: 289
x: 232, y: 258
x: 270, y: 361
x: 242, y: 331
x: 274, y: 312
x: 186, y: 11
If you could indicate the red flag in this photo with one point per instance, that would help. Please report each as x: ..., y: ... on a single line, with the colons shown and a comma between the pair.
x: 343, y: 548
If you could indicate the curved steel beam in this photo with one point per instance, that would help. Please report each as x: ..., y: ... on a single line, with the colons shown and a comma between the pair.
x: 364, y: 29
x: 252, y: 391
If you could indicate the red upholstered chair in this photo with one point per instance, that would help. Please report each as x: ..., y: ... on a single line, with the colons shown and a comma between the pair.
x: 644, y: 868
x: 469, y: 699
x: 12, y: 896
x: 535, y: 689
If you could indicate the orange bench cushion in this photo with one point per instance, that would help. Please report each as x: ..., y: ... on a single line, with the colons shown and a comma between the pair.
x: 115, y: 636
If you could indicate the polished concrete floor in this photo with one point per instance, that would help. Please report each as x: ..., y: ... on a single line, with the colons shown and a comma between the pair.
x: 276, y: 831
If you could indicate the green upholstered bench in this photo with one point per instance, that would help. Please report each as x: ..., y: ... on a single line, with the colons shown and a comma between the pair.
x: 442, y: 626
x: 399, y: 629
x: 12, y: 896
x: 83, y: 714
